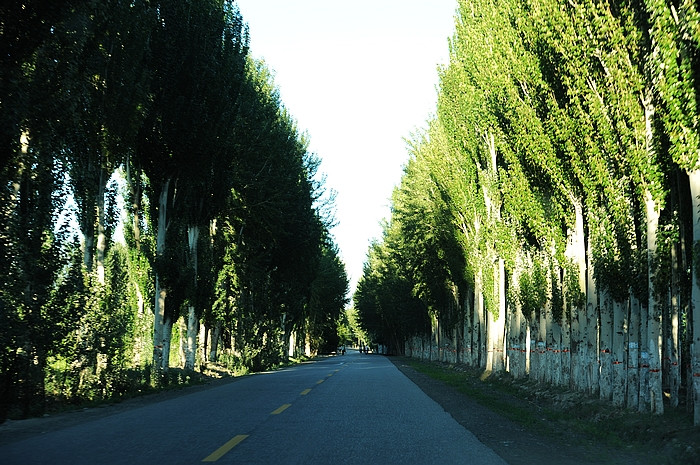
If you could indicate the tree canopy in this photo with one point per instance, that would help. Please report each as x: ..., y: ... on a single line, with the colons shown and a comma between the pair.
x: 546, y: 216
x: 227, y: 256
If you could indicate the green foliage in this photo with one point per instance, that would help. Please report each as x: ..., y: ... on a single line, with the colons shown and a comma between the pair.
x: 574, y: 297
x: 388, y: 309
x: 533, y: 290
x: 166, y: 96
x: 557, y: 298
x: 549, y: 112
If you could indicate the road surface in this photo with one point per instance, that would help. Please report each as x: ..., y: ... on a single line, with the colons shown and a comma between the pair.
x: 350, y: 409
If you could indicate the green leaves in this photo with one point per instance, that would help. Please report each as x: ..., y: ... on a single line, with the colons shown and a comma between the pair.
x: 548, y: 111
x: 167, y: 92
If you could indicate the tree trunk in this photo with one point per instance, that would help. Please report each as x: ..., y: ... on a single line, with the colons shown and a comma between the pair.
x: 479, y: 343
x: 694, y: 320
x: 633, y: 354
x: 491, y: 344
x: 592, y: 353
x: 167, y: 338
x: 514, y: 332
x: 495, y: 324
x: 672, y: 341
x: 468, y: 343
x: 543, y: 369
x: 643, y: 405
x: 576, y: 251
x: 619, y: 363
x: 565, y: 352
x: 133, y: 180
x: 101, y: 248
x: 553, y: 340
x: 181, y: 342
x: 202, y: 342
x: 214, y: 344
x: 159, y: 353
x: 523, y: 344
x: 500, y: 332
x: 191, y: 346
x: 656, y: 399
x: 606, y: 341
x: 139, y: 341
x: 191, y: 340
x: 160, y: 322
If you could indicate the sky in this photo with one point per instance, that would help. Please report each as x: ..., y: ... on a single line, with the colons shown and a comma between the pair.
x: 358, y: 77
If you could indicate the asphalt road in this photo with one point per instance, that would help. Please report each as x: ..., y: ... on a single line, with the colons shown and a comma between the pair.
x: 351, y: 409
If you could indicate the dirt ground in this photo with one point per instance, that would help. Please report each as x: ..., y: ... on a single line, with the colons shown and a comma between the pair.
x: 547, y: 439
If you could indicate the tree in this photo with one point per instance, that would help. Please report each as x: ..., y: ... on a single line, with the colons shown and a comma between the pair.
x: 548, y: 191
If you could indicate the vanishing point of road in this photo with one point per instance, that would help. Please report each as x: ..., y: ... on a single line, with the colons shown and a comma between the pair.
x: 352, y: 409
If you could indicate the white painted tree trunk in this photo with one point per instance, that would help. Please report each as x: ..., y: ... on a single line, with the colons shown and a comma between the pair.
x: 672, y: 340
x: 491, y: 345
x: 694, y: 177
x: 606, y: 341
x: 191, y: 339
x: 158, y: 327
x: 534, y: 361
x: 101, y: 233
x: 576, y: 248
x: 554, y: 352
x: 654, y: 335
x: 633, y: 354
x: 643, y: 404
x: 553, y: 363
x: 514, y: 333
x: 619, y: 362
x: 214, y: 344
x: 87, y: 244
x: 543, y: 369
x: 496, y: 323
x: 161, y: 335
x: 138, y: 335
x: 479, y: 324
x: 202, y: 343
x: 192, y: 322
x: 500, y: 331
x: 565, y: 352
x: 292, y: 344
x: 523, y: 344
x: 592, y: 356
x: 656, y: 399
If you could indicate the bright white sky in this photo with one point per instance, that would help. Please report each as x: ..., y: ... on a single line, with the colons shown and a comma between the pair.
x: 358, y: 77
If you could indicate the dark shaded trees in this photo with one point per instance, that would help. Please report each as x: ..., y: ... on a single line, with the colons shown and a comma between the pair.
x: 222, y: 201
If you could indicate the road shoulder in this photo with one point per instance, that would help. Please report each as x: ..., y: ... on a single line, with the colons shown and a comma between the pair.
x: 516, y: 444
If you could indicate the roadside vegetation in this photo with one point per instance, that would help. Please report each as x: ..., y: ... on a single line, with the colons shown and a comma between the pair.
x: 570, y: 416
x: 547, y: 225
x: 161, y: 217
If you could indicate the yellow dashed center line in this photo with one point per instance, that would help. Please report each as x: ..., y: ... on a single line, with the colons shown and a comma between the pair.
x: 218, y: 453
x: 221, y: 451
x: 281, y: 409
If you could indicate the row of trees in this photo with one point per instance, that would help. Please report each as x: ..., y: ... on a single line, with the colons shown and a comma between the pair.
x: 225, y: 222
x: 547, y: 220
